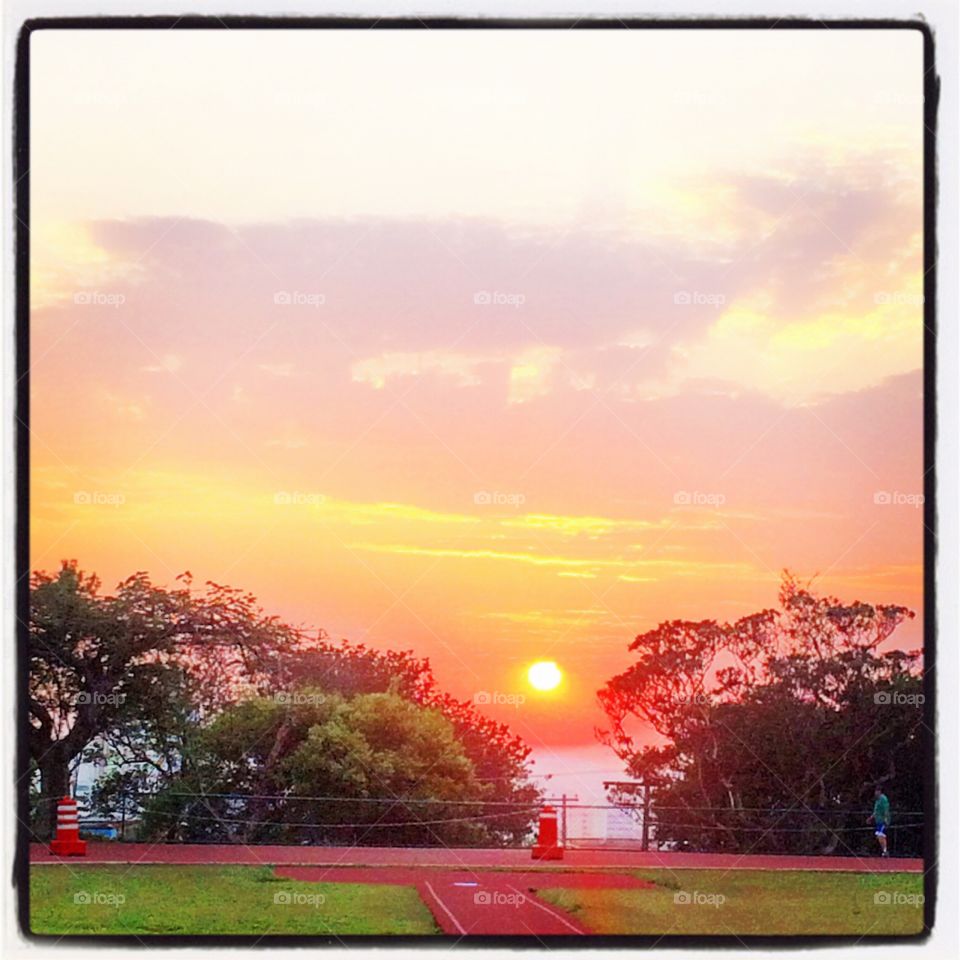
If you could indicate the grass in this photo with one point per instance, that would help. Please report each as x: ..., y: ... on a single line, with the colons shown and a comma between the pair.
x: 221, y: 900
x: 752, y: 902
x: 214, y: 900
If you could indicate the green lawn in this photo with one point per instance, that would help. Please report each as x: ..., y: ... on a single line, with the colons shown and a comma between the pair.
x: 214, y: 900
x: 757, y: 902
x: 156, y: 899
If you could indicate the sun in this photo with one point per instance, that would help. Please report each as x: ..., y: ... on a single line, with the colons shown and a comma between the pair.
x: 544, y: 675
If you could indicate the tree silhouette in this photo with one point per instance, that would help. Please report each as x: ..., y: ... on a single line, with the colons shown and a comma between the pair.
x: 772, y: 729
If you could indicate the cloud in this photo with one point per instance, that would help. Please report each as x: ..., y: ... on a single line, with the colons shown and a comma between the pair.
x: 532, y: 373
x: 288, y: 443
x: 576, y: 526
x: 368, y: 513
x: 125, y: 409
x: 818, y: 259
x: 170, y: 363
x: 572, y: 564
x: 277, y: 369
x: 461, y: 368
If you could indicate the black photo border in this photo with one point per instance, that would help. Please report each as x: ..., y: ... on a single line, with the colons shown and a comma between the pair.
x: 21, y: 186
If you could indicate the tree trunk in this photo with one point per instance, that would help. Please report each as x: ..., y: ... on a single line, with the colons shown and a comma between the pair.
x: 54, y: 784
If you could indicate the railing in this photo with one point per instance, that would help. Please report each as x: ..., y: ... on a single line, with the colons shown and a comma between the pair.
x: 388, y: 821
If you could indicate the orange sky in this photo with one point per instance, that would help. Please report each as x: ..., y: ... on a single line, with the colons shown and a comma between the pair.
x: 470, y: 360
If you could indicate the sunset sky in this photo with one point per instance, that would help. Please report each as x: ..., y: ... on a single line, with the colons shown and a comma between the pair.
x: 495, y: 346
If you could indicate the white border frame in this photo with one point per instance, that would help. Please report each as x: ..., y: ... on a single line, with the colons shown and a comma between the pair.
x: 942, y: 15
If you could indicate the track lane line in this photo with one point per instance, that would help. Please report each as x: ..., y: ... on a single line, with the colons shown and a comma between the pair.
x: 553, y: 913
x: 445, y: 908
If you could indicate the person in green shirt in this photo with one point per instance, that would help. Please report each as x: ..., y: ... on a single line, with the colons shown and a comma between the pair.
x: 880, y: 819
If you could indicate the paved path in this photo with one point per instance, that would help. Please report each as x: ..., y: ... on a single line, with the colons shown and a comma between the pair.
x: 492, y: 906
x: 480, y: 903
x: 458, y: 858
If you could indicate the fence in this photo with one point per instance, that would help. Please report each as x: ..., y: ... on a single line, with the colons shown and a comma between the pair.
x: 331, y: 820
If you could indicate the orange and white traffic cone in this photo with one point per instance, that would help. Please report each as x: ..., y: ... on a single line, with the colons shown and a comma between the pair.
x: 546, y: 847
x: 68, y: 842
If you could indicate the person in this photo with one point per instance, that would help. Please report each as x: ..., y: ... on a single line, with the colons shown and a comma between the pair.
x: 880, y: 819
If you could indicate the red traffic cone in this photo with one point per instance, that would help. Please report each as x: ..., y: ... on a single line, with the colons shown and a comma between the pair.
x: 68, y: 842
x: 546, y: 847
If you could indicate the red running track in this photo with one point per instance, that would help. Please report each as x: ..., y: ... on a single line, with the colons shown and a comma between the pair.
x: 458, y: 858
x: 479, y: 903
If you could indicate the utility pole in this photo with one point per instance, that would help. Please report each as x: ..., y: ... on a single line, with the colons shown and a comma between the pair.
x: 645, y: 843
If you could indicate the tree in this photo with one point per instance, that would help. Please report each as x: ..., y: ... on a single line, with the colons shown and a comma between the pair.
x: 317, y: 767
x: 110, y: 666
x: 499, y: 756
x: 772, y: 730
x: 144, y: 679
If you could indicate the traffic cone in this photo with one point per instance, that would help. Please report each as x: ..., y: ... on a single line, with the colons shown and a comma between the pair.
x: 68, y: 842
x: 546, y: 847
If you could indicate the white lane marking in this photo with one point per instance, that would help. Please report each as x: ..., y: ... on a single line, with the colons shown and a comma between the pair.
x: 445, y: 908
x: 545, y: 908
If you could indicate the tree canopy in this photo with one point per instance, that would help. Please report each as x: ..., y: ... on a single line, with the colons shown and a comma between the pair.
x: 374, y: 768
x: 771, y: 731
x: 182, y: 692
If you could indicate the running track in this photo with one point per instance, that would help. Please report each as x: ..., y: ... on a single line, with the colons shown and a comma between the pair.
x: 458, y: 858
x: 470, y: 892
x: 480, y: 903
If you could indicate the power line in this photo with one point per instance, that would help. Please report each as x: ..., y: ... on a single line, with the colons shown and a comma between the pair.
x: 337, y: 826
x: 528, y: 804
x: 237, y: 821
x: 516, y: 805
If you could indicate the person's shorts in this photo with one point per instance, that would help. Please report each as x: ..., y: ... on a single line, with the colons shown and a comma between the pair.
x: 881, y: 830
